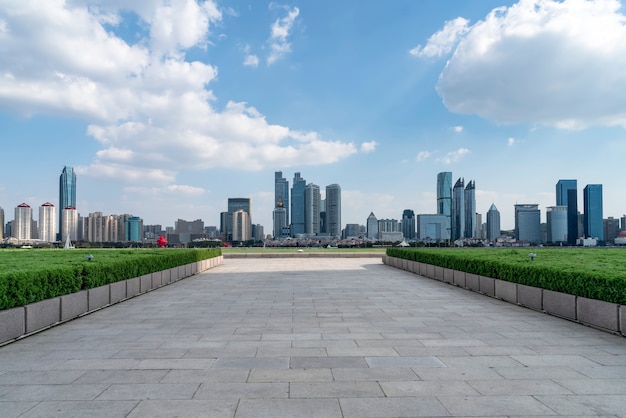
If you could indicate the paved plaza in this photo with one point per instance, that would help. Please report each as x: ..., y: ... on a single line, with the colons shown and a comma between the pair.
x: 314, y: 337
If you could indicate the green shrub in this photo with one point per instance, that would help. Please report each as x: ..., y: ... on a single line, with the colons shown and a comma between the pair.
x: 28, y: 276
x: 591, y: 273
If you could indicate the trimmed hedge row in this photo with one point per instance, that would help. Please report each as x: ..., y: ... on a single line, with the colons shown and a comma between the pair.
x: 568, y: 276
x: 19, y: 287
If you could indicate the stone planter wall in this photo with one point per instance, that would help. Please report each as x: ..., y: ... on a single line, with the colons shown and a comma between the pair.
x: 595, y: 313
x: 25, y: 320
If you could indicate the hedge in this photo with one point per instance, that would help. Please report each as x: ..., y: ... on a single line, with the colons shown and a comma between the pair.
x: 58, y: 272
x: 591, y: 273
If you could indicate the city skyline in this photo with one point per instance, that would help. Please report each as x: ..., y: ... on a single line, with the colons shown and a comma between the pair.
x: 377, y: 98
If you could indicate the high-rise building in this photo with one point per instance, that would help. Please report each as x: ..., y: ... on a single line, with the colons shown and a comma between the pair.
x: 458, y: 209
x: 444, y: 196
x: 1, y: 223
x: 567, y: 195
x: 67, y: 192
x: 611, y: 229
x: 372, y: 227
x: 408, y: 224
x: 333, y: 210
x: 469, y: 205
x: 280, y: 220
x: 353, y: 231
x: 281, y: 192
x: 242, y: 226
x: 235, y: 204
x: 133, y: 229
x: 528, y: 223
x: 556, y: 220
x: 493, y: 223
x: 593, y: 220
x: 297, y: 205
x: 47, y: 222
x: 312, y: 202
x: 70, y: 224
x: 22, y: 223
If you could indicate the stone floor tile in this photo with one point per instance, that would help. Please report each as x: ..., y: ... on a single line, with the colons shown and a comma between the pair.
x: 290, y: 375
x: 335, y: 390
x: 487, y: 406
x: 120, y: 376
x: 141, y: 391
x: 288, y: 408
x: 80, y: 409
x: 327, y: 362
x: 595, y: 386
x: 571, y: 405
x: 252, y: 363
x: 518, y: 387
x: 413, y: 362
x: 392, y: 407
x: 429, y: 388
x: 15, y: 409
x: 249, y: 390
x: 184, y: 408
x: 54, y: 392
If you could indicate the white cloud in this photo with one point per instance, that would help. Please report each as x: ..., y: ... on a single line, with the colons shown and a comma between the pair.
x: 455, y: 156
x: 442, y: 42
x: 511, y: 141
x: 423, y: 155
x: 543, y: 62
x: 250, y: 60
x: 172, y: 190
x: 367, y: 147
x: 458, y: 129
x: 280, y: 31
x: 146, y: 105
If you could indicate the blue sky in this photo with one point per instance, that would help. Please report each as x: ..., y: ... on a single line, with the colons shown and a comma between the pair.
x: 167, y: 109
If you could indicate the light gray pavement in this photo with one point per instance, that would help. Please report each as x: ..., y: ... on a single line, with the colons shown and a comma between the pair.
x: 315, y: 337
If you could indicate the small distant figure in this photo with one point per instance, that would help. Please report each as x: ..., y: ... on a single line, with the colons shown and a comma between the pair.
x: 161, y: 242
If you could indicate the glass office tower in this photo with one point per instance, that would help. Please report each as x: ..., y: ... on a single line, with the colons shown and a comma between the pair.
x: 592, y: 218
x: 566, y: 195
x: 297, y: 205
x: 67, y: 193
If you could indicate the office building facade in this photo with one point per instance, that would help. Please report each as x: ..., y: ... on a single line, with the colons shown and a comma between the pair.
x: 458, y: 209
x: 372, y: 227
x: 333, y: 211
x: 444, y: 196
x: 528, y: 223
x: 592, y: 219
x: 408, y: 224
x: 297, y: 205
x: 493, y: 223
x: 556, y: 222
x: 281, y: 192
x: 312, y: 205
x: 567, y: 195
x: 432, y: 227
x: 67, y: 192
x: 469, y: 208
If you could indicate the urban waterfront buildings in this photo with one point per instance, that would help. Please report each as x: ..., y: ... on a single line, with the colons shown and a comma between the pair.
x: 408, y: 224
x: 312, y: 207
x: 469, y: 208
x: 432, y: 227
x: 281, y: 194
x: 556, y: 221
x: 297, y: 205
x: 372, y: 227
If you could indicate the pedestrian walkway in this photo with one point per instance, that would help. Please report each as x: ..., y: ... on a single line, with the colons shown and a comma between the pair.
x: 315, y: 337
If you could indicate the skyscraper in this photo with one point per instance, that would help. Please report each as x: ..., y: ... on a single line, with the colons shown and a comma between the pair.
x: 280, y: 219
x: 567, y: 195
x: 1, y: 223
x: 556, y: 220
x: 469, y: 200
x: 408, y: 224
x: 333, y: 210
x: 444, y: 196
x: 372, y: 226
x: 70, y: 224
x: 281, y: 192
x: 47, y: 222
x: 528, y: 223
x: 312, y: 202
x: 297, y: 205
x: 458, y: 209
x: 592, y: 219
x: 493, y: 223
x: 22, y: 222
x: 67, y: 192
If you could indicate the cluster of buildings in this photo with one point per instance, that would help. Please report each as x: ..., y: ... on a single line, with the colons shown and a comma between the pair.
x: 300, y: 214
